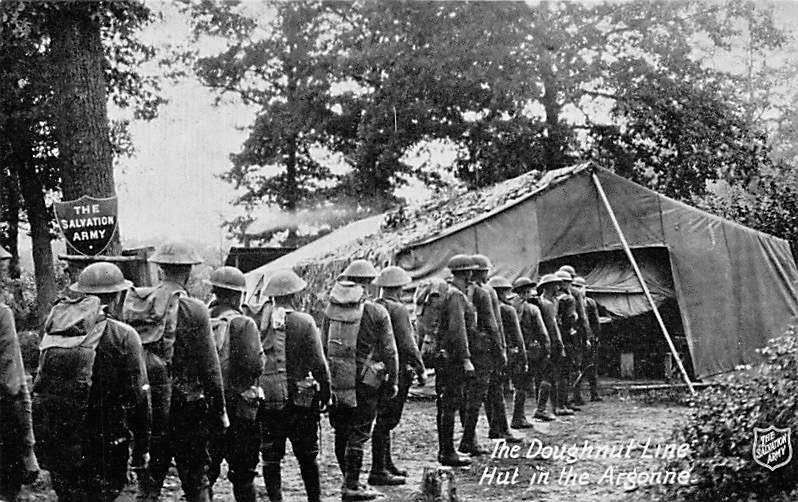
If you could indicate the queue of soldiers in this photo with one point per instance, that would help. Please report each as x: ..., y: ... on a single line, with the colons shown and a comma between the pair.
x: 133, y: 379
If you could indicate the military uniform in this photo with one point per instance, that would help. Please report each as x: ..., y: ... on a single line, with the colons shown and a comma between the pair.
x: 239, y: 444
x: 17, y: 461
x: 520, y: 363
x: 355, y: 402
x: 591, y: 359
x: 549, y: 375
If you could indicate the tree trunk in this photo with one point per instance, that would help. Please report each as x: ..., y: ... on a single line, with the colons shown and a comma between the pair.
x: 553, y: 147
x: 81, y: 116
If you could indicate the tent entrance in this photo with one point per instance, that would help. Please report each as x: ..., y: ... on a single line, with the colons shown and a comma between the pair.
x: 630, y: 334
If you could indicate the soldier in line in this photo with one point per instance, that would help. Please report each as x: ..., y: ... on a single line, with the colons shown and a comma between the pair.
x: 361, y: 351
x: 583, y: 334
x: 567, y: 320
x: 538, y: 351
x: 446, y: 345
x: 516, y: 348
x: 549, y: 287
x: 241, y: 360
x: 90, y: 387
x: 183, y: 368
x: 296, y: 385
x: 383, y: 470
x: 18, y: 463
x: 590, y: 362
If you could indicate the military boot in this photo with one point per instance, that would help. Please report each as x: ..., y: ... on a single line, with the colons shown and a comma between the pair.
x: 353, y: 489
x: 468, y: 443
x: 542, y: 412
x: 379, y: 475
x: 309, y: 469
x: 389, y: 465
x: 519, y: 420
x: 272, y: 478
x: 245, y: 492
x: 204, y: 495
x: 446, y: 453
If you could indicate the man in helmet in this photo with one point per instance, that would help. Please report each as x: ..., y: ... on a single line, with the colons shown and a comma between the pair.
x: 489, y: 354
x: 383, y: 471
x: 538, y: 349
x: 296, y: 385
x: 184, y: 372
x: 18, y: 463
x: 91, y: 391
x: 583, y: 332
x: 361, y: 351
x: 516, y: 348
x: 549, y: 287
x: 241, y: 360
x: 452, y: 356
x: 589, y: 362
x: 568, y: 321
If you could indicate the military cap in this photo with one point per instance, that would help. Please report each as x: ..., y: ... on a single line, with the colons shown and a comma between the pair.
x: 101, y: 277
x: 228, y: 278
x: 175, y: 253
x: 563, y: 275
x: 523, y: 282
x: 571, y: 270
x: 284, y: 283
x: 482, y: 262
x: 360, y: 268
x: 392, y: 277
x: 4, y: 255
x: 460, y: 262
x: 579, y: 281
x: 548, y: 279
x: 499, y: 282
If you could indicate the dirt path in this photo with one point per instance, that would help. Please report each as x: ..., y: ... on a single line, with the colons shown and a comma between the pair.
x: 614, y: 422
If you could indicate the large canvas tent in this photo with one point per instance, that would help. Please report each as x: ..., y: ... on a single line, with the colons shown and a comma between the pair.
x: 735, y: 287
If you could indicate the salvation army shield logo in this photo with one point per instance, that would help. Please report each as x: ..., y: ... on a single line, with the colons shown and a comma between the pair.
x: 88, y: 223
x: 772, y: 447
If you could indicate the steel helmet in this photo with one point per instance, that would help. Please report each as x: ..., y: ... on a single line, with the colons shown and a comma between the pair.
x: 579, y: 281
x: 284, y: 283
x: 523, y: 282
x: 228, y: 278
x: 392, y: 277
x: 4, y: 255
x: 101, y: 277
x: 460, y: 262
x: 571, y: 270
x: 482, y: 262
x: 548, y: 279
x: 175, y: 253
x: 360, y: 268
x: 499, y: 282
x: 564, y: 275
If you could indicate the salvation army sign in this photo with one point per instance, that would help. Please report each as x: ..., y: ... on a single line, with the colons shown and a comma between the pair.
x: 87, y: 224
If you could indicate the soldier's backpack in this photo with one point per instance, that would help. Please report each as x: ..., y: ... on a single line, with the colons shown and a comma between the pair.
x: 430, y: 300
x: 220, y: 327
x: 274, y: 379
x: 62, y: 388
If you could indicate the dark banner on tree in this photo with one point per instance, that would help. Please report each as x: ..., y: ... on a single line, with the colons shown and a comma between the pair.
x: 87, y: 224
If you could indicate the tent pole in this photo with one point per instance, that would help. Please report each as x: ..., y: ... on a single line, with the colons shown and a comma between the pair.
x: 642, y: 281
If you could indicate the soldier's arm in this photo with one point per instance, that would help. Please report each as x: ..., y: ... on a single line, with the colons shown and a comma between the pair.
x: 512, y: 330
x: 13, y: 385
x: 405, y: 341
x: 595, y: 322
x: 456, y: 336
x: 484, y: 306
x: 246, y: 349
x: 207, y: 360
x: 541, y: 333
x: 317, y: 363
x: 138, y: 392
x: 387, y: 344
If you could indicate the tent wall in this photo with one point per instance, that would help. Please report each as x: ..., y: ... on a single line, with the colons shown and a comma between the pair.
x: 735, y: 287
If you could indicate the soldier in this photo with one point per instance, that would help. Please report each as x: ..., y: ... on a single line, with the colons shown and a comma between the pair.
x: 241, y: 360
x: 538, y: 351
x: 516, y: 348
x: 184, y: 372
x: 567, y: 320
x: 18, y: 463
x: 383, y: 471
x: 583, y: 333
x: 361, y: 351
x: 91, y: 391
x: 590, y: 362
x: 296, y: 385
x: 549, y: 287
x: 489, y: 353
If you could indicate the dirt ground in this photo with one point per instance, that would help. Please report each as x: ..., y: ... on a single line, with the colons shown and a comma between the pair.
x: 614, y: 422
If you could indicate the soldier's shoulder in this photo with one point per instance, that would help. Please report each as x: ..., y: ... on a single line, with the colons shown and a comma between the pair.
x: 193, y: 308
x: 122, y: 328
x: 303, y: 318
x: 5, y: 312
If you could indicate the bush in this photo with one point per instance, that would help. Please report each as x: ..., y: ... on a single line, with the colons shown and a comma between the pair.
x: 721, y: 430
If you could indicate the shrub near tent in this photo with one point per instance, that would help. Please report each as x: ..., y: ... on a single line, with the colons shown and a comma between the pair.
x: 721, y: 430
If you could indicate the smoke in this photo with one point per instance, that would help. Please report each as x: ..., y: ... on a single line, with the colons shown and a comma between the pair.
x: 306, y: 221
